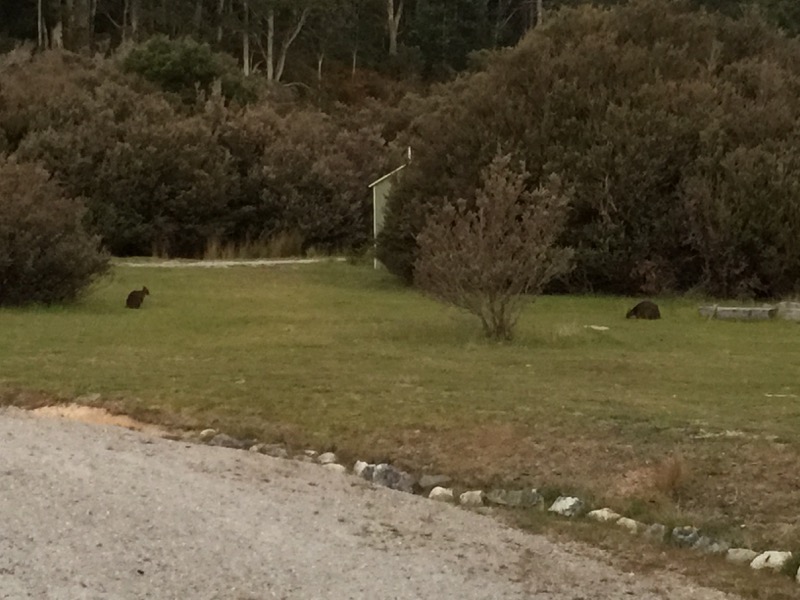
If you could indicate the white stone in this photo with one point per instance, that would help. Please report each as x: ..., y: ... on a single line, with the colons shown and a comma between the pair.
x: 630, y: 524
x: 311, y: 453
x: 326, y: 458
x: 207, y: 434
x: 473, y: 498
x: 359, y: 467
x: 334, y: 467
x: 797, y: 578
x: 604, y: 515
x: 771, y: 559
x: 441, y: 494
x: 567, y: 506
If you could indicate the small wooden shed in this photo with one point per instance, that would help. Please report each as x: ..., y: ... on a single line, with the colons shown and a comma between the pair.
x: 380, y: 193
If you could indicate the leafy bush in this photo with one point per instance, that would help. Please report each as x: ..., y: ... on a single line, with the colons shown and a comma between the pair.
x: 303, y: 172
x: 50, y: 90
x: 154, y: 181
x: 491, y: 258
x: 46, y: 255
x: 184, y: 67
x: 158, y: 180
x: 659, y: 117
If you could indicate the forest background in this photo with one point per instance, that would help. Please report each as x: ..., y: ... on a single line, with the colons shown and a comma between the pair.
x: 205, y: 127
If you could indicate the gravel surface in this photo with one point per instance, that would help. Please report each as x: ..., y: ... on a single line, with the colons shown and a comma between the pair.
x: 100, y: 512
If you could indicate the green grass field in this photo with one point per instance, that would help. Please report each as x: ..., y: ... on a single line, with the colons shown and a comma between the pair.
x: 340, y: 356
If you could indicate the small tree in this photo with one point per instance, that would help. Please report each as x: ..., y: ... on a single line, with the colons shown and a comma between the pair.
x: 490, y: 258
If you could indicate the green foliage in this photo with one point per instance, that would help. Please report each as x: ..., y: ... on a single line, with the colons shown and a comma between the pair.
x: 670, y: 125
x: 157, y: 180
x: 186, y: 67
x: 303, y: 172
x: 491, y: 258
x: 46, y: 255
x: 153, y: 180
x: 48, y: 91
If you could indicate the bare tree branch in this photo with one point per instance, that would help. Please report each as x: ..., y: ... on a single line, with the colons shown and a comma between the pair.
x: 490, y: 256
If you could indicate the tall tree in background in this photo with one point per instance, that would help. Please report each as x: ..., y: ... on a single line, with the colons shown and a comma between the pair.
x: 326, y: 30
x: 275, y: 25
x: 393, y: 16
x: 266, y: 35
x: 41, y: 29
x: 246, y: 56
x: 80, y: 25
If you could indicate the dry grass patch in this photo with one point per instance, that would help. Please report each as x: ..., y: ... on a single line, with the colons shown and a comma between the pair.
x: 671, y: 475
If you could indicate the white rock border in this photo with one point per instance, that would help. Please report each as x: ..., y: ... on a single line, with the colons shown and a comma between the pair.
x: 567, y: 506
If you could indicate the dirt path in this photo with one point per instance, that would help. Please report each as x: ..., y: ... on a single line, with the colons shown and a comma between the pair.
x: 223, y: 264
x: 100, y: 512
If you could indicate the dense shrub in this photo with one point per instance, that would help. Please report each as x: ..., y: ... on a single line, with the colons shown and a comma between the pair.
x: 672, y: 127
x: 159, y: 178
x: 50, y: 90
x: 303, y: 172
x: 186, y: 67
x: 154, y: 181
x: 46, y: 255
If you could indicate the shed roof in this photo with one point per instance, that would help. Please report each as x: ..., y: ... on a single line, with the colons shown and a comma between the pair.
x: 377, y: 181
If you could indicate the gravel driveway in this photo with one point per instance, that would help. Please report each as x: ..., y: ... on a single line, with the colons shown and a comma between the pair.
x: 100, y: 512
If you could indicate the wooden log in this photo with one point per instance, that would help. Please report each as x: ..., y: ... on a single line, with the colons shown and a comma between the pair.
x: 739, y: 313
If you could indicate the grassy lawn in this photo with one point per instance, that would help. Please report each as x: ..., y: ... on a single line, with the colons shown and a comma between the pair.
x: 339, y: 356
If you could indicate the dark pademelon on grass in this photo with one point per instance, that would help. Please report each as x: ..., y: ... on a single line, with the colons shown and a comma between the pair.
x: 136, y: 297
x: 644, y: 310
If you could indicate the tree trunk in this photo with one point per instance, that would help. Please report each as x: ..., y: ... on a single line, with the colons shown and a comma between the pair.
x: 134, y: 14
x: 165, y: 18
x: 354, y: 63
x: 40, y: 24
x: 393, y: 23
x: 125, y: 9
x: 502, y: 17
x: 320, y: 60
x: 220, y: 11
x: 246, y: 40
x: 57, y: 35
x: 270, y: 45
x: 80, y: 25
x: 68, y: 22
x: 535, y: 13
x: 197, y: 21
x: 56, y: 26
x: 287, y: 41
